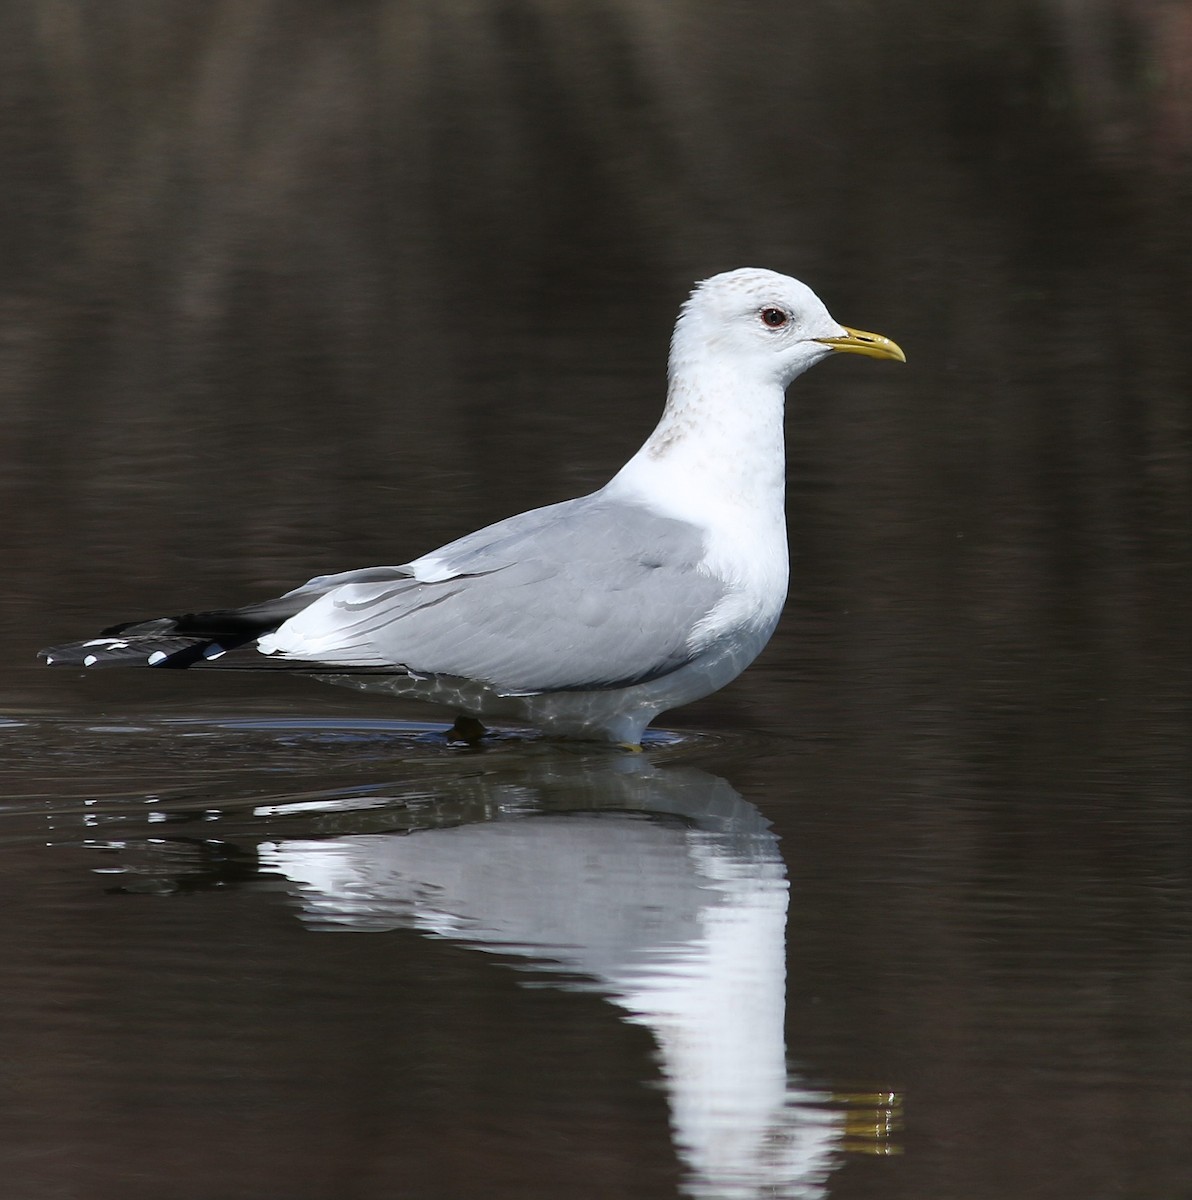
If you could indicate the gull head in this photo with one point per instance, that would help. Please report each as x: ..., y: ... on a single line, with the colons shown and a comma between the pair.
x: 764, y: 326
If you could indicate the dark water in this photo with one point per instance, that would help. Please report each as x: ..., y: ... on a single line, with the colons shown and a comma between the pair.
x: 906, y: 910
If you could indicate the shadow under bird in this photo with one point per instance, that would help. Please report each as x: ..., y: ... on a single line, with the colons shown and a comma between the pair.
x: 588, y: 618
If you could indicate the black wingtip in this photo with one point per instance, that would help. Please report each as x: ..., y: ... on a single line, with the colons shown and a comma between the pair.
x: 144, y: 651
x: 194, y: 639
x: 156, y: 650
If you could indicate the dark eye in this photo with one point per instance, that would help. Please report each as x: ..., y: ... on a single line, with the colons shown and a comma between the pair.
x: 774, y: 317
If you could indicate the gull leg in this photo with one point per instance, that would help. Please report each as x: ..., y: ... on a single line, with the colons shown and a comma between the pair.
x: 467, y: 730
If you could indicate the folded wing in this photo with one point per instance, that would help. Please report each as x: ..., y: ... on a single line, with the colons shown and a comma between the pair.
x: 587, y: 594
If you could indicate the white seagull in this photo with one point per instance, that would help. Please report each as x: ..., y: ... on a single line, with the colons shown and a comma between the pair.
x: 588, y: 618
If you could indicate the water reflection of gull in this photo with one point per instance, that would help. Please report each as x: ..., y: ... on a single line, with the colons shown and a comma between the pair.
x: 663, y: 889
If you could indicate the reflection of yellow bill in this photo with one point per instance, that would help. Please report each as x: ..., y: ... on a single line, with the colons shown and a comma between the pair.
x: 873, y: 345
x: 871, y: 1120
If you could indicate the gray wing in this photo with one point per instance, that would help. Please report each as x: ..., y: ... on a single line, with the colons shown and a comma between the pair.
x: 590, y: 593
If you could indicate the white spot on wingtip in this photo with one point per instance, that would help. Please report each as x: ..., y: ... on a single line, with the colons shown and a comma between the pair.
x: 158, y: 656
x: 213, y: 652
x: 49, y: 660
x: 90, y: 660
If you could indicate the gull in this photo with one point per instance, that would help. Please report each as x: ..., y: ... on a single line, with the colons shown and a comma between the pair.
x: 587, y: 618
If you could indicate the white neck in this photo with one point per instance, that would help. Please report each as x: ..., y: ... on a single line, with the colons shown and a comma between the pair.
x: 716, y: 455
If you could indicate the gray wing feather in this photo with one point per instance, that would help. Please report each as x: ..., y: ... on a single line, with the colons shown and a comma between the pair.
x: 587, y: 594
x: 324, y: 583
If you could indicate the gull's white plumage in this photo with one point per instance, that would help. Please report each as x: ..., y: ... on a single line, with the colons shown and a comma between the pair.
x: 717, y: 457
x: 590, y: 617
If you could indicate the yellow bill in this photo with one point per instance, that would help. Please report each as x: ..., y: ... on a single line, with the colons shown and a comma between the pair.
x: 872, y: 345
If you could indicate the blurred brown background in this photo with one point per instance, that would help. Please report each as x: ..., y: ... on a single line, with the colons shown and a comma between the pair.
x: 297, y: 287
